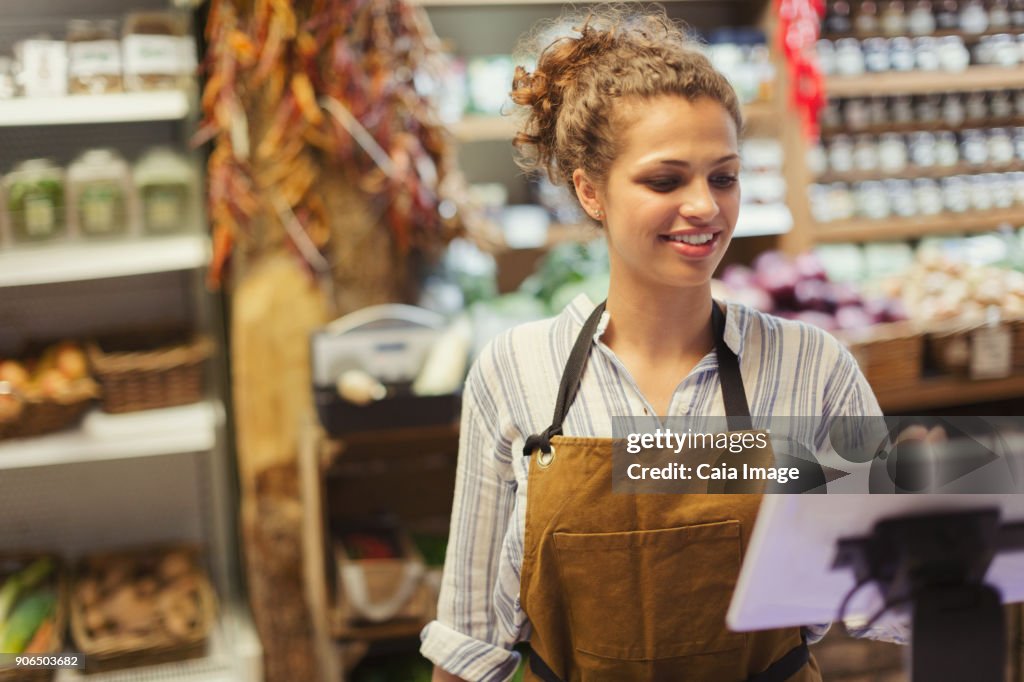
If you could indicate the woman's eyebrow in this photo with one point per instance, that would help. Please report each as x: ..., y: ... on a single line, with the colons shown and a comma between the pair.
x: 686, y: 164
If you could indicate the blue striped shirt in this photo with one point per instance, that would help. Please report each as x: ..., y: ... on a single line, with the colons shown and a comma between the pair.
x: 788, y: 368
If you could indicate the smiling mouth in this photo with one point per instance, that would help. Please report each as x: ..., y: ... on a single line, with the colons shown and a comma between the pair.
x: 691, y: 239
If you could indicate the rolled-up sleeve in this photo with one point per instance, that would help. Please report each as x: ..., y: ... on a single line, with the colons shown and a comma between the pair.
x: 467, y: 639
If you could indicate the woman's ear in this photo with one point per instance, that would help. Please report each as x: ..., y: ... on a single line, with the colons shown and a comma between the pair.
x: 587, y: 193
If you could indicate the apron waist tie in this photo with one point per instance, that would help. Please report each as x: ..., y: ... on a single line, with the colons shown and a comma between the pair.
x: 779, y: 671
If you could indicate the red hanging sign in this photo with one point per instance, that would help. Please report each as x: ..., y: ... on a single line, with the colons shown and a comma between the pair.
x: 799, y: 29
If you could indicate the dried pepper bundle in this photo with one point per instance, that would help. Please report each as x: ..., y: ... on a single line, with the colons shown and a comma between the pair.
x: 334, y: 79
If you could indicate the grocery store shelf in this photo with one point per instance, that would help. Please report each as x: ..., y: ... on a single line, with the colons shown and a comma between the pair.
x: 918, y: 226
x: 101, y: 436
x: 759, y: 220
x: 912, y: 172
x: 757, y: 116
x: 933, y: 126
x: 168, y: 105
x: 234, y: 655
x: 76, y: 261
x: 937, y: 33
x: 948, y: 392
x: 925, y: 82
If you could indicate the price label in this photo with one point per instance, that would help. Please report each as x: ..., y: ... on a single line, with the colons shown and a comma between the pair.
x: 991, y: 356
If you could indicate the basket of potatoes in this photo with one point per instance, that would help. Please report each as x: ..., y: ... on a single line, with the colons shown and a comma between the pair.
x: 46, y: 392
x: 141, y: 607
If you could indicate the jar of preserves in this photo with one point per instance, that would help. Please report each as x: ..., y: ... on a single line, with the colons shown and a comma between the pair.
x: 34, y: 194
x: 922, y: 149
x: 99, y: 188
x: 892, y: 152
x: 947, y: 152
x: 166, y: 186
x: 865, y: 153
x: 94, y: 57
x: 158, y: 53
x: 927, y: 196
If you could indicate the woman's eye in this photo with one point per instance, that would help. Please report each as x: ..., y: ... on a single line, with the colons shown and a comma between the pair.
x: 663, y: 184
x: 724, y: 181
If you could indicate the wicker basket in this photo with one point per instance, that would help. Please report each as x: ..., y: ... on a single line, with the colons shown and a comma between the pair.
x: 108, y: 652
x: 35, y: 416
x: 160, y: 369
x: 10, y: 563
x: 890, y: 355
x: 948, y: 348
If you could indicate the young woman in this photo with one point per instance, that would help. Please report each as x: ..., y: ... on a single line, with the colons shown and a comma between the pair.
x: 613, y: 587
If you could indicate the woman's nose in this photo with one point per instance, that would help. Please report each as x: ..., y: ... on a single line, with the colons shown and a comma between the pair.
x: 699, y: 203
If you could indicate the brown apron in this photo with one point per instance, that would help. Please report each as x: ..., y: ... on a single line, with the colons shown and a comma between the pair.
x: 635, y: 588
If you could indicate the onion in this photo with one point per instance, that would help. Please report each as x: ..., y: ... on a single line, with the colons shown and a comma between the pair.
x: 810, y: 267
x: 779, y: 280
x: 814, y: 294
x: 853, y: 317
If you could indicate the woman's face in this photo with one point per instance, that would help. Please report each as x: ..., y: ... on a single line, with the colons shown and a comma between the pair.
x: 672, y: 195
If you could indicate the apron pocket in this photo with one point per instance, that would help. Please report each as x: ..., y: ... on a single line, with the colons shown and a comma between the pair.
x: 651, y: 594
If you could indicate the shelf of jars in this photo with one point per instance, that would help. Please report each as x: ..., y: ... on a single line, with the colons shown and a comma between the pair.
x: 914, y: 172
x: 967, y: 37
x: 917, y: 226
x: 124, y: 107
x: 76, y: 261
x: 922, y: 126
x: 972, y: 79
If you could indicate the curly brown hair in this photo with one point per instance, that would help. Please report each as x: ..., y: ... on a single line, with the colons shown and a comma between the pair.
x: 570, y: 96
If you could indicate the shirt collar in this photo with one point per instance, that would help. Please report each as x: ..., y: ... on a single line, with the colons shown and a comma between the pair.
x: 736, y: 320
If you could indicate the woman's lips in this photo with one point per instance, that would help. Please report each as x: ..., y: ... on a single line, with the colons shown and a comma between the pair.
x: 692, y: 250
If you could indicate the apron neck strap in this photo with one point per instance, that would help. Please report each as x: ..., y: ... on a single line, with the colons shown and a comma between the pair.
x: 570, y: 384
x: 733, y: 394
x: 737, y: 409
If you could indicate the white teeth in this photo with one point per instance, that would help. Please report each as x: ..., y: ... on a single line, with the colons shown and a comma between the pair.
x: 694, y: 239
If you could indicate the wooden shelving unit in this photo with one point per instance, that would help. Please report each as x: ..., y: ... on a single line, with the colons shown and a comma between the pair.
x: 948, y: 392
x: 937, y: 126
x: 918, y: 226
x: 914, y: 172
x: 973, y: 79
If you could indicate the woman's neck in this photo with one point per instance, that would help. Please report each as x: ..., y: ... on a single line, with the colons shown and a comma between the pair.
x: 666, y: 325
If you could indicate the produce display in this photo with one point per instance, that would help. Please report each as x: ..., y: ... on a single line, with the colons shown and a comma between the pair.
x: 59, y: 373
x: 799, y: 289
x: 938, y: 288
x: 28, y: 607
x: 156, y: 597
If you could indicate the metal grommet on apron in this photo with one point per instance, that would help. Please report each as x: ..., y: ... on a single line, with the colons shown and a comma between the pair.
x: 635, y: 587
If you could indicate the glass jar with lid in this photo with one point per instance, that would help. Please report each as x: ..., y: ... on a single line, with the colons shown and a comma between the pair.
x: 947, y: 152
x: 921, y: 21
x: 856, y: 115
x: 158, y: 52
x: 876, y: 55
x: 841, y: 205
x: 99, y: 191
x: 1001, y: 188
x: 166, y: 182
x: 901, y: 108
x: 927, y: 109
x: 922, y: 149
x: 826, y: 57
x: 1000, y: 147
x: 901, y: 54
x: 955, y: 195
x: 1017, y: 183
x: 901, y: 197
x: 865, y: 153
x: 818, y: 196
x: 830, y: 115
x: 974, y: 147
x: 34, y: 196
x: 999, y: 14
x: 980, y: 192
x: 94, y: 57
x: 871, y: 200
x: 954, y: 113
x: 849, y: 57
x: 973, y: 16
x: 1017, y: 13
x: 865, y: 22
x: 947, y: 15
x: 977, y: 107
x: 1000, y: 105
x: 878, y: 111
x: 840, y: 154
x: 893, y: 20
x: 892, y: 152
x: 926, y: 53
x: 928, y: 196
x: 953, y: 54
